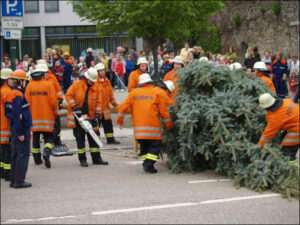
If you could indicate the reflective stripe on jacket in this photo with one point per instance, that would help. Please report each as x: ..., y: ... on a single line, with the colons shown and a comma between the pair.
x: 286, y: 118
x: 42, y: 99
x: 134, y: 79
x: 4, y: 123
x: 75, y: 96
x: 145, y: 105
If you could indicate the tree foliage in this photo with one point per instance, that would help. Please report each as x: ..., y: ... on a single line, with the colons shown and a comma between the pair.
x: 217, y: 123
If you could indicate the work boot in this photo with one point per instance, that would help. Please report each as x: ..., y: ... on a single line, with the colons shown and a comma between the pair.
x: 83, y: 163
x: 149, y: 167
x: 37, y: 158
x: 97, y: 159
x: 23, y: 185
x: 114, y: 141
x: 47, y: 161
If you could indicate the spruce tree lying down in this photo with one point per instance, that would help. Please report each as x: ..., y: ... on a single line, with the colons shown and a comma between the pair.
x: 217, y: 124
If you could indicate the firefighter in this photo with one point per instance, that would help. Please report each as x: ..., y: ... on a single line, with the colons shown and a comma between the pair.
x: 107, y: 98
x: 84, y: 98
x: 59, y: 148
x: 283, y: 115
x: 42, y: 99
x: 279, y: 69
x: 134, y: 75
x: 173, y: 76
x: 261, y: 71
x: 6, y: 84
x: 164, y: 90
x: 18, y: 111
x: 146, y: 105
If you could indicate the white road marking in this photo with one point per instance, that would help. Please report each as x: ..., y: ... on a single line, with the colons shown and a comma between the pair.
x: 134, y: 162
x: 208, y: 181
x: 128, y: 210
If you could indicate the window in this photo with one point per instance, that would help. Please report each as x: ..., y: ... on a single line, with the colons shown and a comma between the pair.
x: 51, y: 6
x: 31, y: 6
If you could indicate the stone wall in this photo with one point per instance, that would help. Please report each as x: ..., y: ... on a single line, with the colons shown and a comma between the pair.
x: 266, y: 31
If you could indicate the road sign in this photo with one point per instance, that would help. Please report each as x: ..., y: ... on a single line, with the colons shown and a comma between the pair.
x: 12, y: 22
x: 13, y: 34
x: 12, y: 8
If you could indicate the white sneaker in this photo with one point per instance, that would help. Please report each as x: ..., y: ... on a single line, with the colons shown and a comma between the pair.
x: 117, y: 90
x: 122, y: 90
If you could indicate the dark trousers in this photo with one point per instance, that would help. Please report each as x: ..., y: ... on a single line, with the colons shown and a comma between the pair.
x: 108, y: 129
x: 48, y: 144
x: 56, y: 132
x: 79, y: 135
x: 20, y: 152
x: 290, y: 151
x: 6, y: 154
x: 149, y: 151
x: 66, y: 82
x: 281, y: 87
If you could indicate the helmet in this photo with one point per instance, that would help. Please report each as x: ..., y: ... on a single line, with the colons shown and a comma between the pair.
x: 91, y: 74
x: 99, y: 66
x: 266, y: 100
x: 235, y: 66
x: 203, y: 58
x: 144, y: 78
x: 39, y: 70
x: 170, y: 85
x: 260, y: 66
x: 66, y: 53
x: 89, y: 50
x: 19, y: 75
x: 6, y: 73
x: 178, y: 59
x: 142, y: 60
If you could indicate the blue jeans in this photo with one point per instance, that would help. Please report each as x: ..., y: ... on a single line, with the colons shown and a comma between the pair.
x: 120, y: 86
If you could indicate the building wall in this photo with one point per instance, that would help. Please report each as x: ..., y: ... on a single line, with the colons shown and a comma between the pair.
x: 65, y: 17
x: 266, y: 31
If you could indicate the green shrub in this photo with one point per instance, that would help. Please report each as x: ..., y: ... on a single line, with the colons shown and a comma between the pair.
x: 236, y: 18
x: 276, y: 7
x: 262, y: 9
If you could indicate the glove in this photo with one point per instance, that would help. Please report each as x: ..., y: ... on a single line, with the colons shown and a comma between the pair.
x: 95, y: 121
x: 77, y: 111
x: 60, y: 101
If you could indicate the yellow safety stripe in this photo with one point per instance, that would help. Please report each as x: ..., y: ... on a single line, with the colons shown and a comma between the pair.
x: 81, y: 150
x: 36, y: 150
x: 1, y: 164
x: 109, y: 135
x: 48, y: 145
x: 7, y: 166
x: 293, y: 162
x: 144, y: 157
x: 59, y: 135
x: 94, y: 149
x: 152, y: 157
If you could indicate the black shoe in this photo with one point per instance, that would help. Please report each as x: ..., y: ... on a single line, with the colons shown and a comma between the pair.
x: 100, y: 162
x: 83, y: 164
x: 47, y: 161
x: 11, y: 185
x: 37, y: 160
x: 151, y: 170
x: 113, y: 142
x: 24, y: 185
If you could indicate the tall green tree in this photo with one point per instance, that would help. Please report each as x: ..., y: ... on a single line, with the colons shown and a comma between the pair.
x: 155, y: 21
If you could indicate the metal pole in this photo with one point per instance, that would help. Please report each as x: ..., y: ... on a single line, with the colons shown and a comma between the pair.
x: 20, y: 50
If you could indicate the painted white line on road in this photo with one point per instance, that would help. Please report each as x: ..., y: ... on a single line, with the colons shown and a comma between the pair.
x: 208, y: 181
x: 143, y: 208
x: 38, y: 219
x: 239, y: 198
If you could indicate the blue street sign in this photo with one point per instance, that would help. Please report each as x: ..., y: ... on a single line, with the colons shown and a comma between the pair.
x: 12, y: 8
x: 7, y: 34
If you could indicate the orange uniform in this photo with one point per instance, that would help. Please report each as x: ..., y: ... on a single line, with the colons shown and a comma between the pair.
x: 107, y: 97
x: 173, y: 76
x: 145, y: 105
x: 163, y: 95
x: 4, y: 125
x: 267, y: 81
x: 52, y: 79
x: 42, y: 99
x: 134, y: 79
x: 285, y: 118
x: 76, y: 95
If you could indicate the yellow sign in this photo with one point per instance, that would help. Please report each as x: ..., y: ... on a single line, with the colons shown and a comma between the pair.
x: 64, y: 48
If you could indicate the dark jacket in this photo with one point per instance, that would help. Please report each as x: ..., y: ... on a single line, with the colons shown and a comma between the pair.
x: 249, y: 62
x: 88, y: 59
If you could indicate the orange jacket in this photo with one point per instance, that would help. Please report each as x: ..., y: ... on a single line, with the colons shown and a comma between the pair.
x: 134, y: 79
x: 42, y: 99
x: 286, y: 118
x: 107, y: 97
x: 4, y: 123
x: 145, y: 105
x: 267, y: 81
x: 172, y: 76
x: 164, y: 95
x: 52, y: 79
x: 75, y: 96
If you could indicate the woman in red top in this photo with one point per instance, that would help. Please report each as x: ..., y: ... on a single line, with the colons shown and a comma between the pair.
x: 58, y: 71
x: 293, y: 83
x: 120, y: 73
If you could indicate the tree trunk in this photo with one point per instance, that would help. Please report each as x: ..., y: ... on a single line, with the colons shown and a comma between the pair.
x: 154, y: 51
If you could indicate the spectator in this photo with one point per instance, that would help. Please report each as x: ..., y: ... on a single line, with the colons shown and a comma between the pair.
x: 120, y: 73
x: 19, y: 64
x: 250, y: 60
x: 214, y: 60
x: 6, y: 63
x: 293, y: 83
x: 190, y: 59
x: 58, y: 56
x: 288, y: 62
x: 267, y: 59
x: 93, y: 63
x: 256, y: 54
x: 279, y: 69
x: 58, y: 72
x: 129, y: 68
x: 222, y: 62
x: 49, y: 61
x: 75, y: 73
x: 81, y: 62
x: 25, y: 60
x: 113, y: 68
x: 185, y: 52
x: 68, y: 70
x: 142, y: 54
x: 150, y: 66
x: 295, y: 64
x: 89, y: 57
x: 125, y: 51
x: 104, y: 60
x: 111, y: 72
x: 231, y: 53
x: 134, y: 55
x: 172, y: 56
x: 167, y: 66
x: 82, y: 70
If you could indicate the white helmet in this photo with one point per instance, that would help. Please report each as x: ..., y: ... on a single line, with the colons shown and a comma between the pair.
x: 6, y: 73
x: 235, y: 66
x: 42, y: 62
x: 144, y: 78
x: 178, y: 59
x: 142, y: 60
x: 89, y: 50
x: 203, y: 58
x: 266, y: 100
x: 170, y: 85
x: 91, y: 74
x: 260, y: 66
x: 99, y: 66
